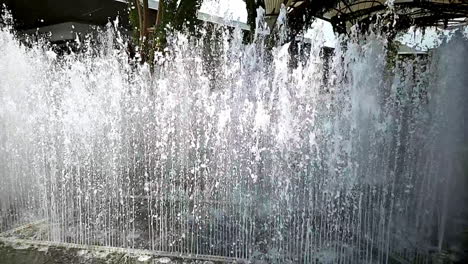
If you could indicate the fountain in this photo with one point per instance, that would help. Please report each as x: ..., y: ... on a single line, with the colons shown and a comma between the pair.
x: 251, y: 159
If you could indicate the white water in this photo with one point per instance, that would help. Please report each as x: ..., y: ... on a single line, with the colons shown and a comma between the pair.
x: 237, y: 155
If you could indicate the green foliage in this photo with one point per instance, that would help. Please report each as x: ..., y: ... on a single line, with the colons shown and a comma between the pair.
x: 173, y: 15
x: 392, y: 53
x: 134, y: 21
x: 176, y: 17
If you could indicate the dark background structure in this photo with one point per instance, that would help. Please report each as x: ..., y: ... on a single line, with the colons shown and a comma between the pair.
x: 38, y: 13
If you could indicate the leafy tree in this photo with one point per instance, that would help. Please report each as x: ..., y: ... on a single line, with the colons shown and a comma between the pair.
x: 176, y: 15
x: 173, y: 15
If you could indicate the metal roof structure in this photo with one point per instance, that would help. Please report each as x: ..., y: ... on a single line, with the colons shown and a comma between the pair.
x: 344, y: 13
x: 272, y: 8
x: 444, y: 13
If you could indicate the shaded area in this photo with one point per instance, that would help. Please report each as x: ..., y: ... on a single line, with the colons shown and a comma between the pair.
x: 39, y: 13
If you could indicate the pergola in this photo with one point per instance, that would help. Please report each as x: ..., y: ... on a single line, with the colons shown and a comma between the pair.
x: 345, y: 13
x: 442, y: 13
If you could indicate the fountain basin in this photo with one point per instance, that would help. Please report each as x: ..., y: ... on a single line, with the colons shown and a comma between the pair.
x: 16, y: 248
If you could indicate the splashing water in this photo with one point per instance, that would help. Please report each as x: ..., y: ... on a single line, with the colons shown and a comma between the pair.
x: 240, y: 156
